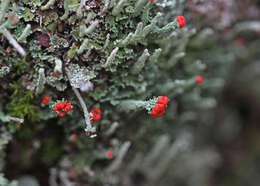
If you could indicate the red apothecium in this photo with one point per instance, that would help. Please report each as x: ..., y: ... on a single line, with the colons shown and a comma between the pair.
x: 181, y: 20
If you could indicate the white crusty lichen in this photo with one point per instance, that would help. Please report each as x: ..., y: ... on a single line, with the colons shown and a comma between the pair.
x: 56, y: 82
x: 4, y: 70
x: 79, y: 75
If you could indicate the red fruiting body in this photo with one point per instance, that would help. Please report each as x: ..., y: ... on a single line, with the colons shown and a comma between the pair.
x: 55, y: 109
x: 96, y: 110
x: 96, y: 114
x: 67, y: 108
x: 62, y: 114
x: 110, y: 154
x: 199, y: 79
x: 181, y: 20
x: 163, y: 100
x: 151, y: 1
x: 73, y: 173
x: 62, y: 108
x: 63, y: 104
x: 96, y: 117
x: 74, y: 136
x: 46, y: 100
x: 158, y: 110
x: 240, y: 41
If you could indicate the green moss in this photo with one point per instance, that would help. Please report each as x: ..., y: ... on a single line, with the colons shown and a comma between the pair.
x: 4, y: 70
x: 28, y: 15
x: 20, y: 104
x: 20, y: 66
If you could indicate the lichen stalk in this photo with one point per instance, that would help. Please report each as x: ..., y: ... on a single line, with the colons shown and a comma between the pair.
x: 89, y: 127
x: 12, y: 41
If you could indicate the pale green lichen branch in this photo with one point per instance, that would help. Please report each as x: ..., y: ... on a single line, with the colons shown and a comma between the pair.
x: 119, y: 7
x: 131, y: 105
x: 154, y: 58
x: 111, y: 57
x: 141, y: 32
x: 87, y: 30
x: 106, y: 6
x: 90, y: 16
x: 40, y: 82
x: 83, y: 46
x: 58, y: 65
x: 139, y: 6
x: 25, y: 33
x: 106, y: 42
x: 139, y: 65
x: 147, y: 29
x: 66, y: 8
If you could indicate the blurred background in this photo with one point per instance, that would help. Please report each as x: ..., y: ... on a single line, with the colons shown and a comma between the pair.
x: 209, y: 136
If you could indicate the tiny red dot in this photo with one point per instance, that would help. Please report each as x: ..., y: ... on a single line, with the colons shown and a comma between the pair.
x: 240, y: 42
x: 110, y: 154
x: 74, y: 136
x: 199, y: 79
